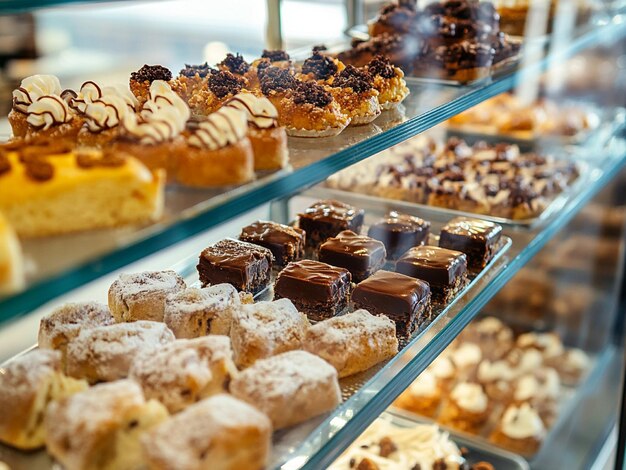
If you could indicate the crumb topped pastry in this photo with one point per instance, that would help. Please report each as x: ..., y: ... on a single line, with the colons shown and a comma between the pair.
x: 218, y: 433
x: 185, y: 371
x: 289, y: 388
x: 191, y: 80
x: 388, y: 81
x: 320, y: 67
x: 141, y: 80
x: 141, y: 296
x: 28, y: 384
x: 264, y: 329
x: 354, y: 90
x: 353, y: 342
x: 40, y: 110
x: 235, y: 64
x: 100, y: 428
x: 105, y: 353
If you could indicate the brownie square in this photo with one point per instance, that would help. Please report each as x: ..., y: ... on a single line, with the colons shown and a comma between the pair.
x: 399, y: 232
x: 444, y: 270
x: 317, y: 289
x: 244, y: 265
x: 403, y: 299
x: 360, y: 255
x: 478, y: 239
x: 326, y: 219
x: 286, y: 243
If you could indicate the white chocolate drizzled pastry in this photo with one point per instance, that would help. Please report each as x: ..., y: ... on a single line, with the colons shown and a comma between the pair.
x: 47, y: 111
x: 103, y: 108
x: 224, y: 127
x: 34, y: 87
x: 259, y: 110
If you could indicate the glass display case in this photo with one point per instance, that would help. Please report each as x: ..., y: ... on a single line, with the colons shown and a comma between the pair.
x: 557, y: 271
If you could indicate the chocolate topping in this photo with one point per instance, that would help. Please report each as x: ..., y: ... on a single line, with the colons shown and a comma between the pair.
x: 439, y: 267
x: 319, y: 47
x: 5, y: 165
x: 202, y: 70
x: 39, y: 170
x: 235, y: 63
x: 150, y: 73
x: 399, y: 232
x: 359, y: 254
x: 357, y: 79
x: 277, y: 79
x: 381, y: 66
x: 68, y: 96
x: 286, y: 243
x: 320, y: 66
x: 224, y: 83
x: 275, y: 56
x: 311, y: 93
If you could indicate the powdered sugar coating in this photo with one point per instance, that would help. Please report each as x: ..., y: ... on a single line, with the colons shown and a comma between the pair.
x: 65, y: 322
x: 353, y: 342
x: 290, y: 387
x: 21, y: 377
x: 141, y: 296
x: 197, y: 312
x: 105, y: 353
x: 185, y: 371
x: 265, y: 329
x: 207, y: 432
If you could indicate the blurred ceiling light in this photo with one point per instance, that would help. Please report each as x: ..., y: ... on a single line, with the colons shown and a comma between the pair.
x: 214, y: 52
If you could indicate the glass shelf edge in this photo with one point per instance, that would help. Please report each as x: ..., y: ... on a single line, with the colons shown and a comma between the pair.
x: 24, y: 302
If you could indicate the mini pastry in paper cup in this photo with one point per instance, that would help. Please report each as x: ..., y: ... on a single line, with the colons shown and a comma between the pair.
x: 389, y: 81
x: 141, y: 80
x: 354, y: 90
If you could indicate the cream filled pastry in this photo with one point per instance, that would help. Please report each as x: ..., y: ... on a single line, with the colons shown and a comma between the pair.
x: 520, y: 429
x: 103, y: 109
x: 467, y: 408
x: 423, y: 396
x: 154, y: 136
x: 268, y: 139
x: 40, y: 110
x: 218, y: 151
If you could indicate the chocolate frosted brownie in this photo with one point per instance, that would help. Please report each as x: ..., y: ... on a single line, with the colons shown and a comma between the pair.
x: 444, y: 270
x: 403, y: 299
x: 286, y: 243
x: 399, y: 232
x: 317, y: 289
x: 478, y: 239
x: 327, y: 218
x: 244, y: 265
x: 360, y: 255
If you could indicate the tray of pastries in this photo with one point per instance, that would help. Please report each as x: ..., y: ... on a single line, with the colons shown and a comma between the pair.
x: 499, y: 182
x: 403, y: 443
x: 451, y: 41
x: 504, y: 390
x: 273, y: 329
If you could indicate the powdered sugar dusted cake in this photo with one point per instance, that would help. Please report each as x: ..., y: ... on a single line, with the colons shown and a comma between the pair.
x: 353, y: 342
x: 100, y: 427
x: 28, y: 384
x: 265, y: 329
x: 290, y: 387
x: 185, y: 371
x: 198, y: 312
x: 220, y: 432
x: 105, y: 353
x: 141, y: 296
x: 64, y: 323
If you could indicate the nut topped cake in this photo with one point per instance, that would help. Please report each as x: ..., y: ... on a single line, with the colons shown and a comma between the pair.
x: 399, y: 232
x: 327, y: 218
x: 403, y: 299
x: 244, y: 265
x: 444, y: 270
x: 478, y: 239
x: 317, y: 289
x: 360, y: 255
x: 286, y: 243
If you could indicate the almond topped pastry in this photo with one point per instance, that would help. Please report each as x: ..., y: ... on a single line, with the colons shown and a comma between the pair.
x: 354, y: 90
x: 141, y: 80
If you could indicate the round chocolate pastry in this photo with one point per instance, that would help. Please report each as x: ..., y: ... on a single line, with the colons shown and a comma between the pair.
x: 357, y: 79
x: 320, y: 66
x: 311, y: 93
x: 202, y: 70
x: 150, y: 73
x: 275, y: 56
x: 278, y: 80
x: 224, y: 83
x: 235, y: 64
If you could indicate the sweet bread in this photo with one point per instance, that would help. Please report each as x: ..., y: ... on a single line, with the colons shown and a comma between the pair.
x: 12, y: 276
x: 185, y: 371
x: 100, y: 428
x: 49, y: 188
x: 141, y: 296
x: 218, y: 151
x: 28, y: 384
x: 192, y: 312
x: 218, y: 433
x: 289, y: 388
x: 265, y: 329
x: 353, y: 342
x: 64, y: 323
x: 105, y: 353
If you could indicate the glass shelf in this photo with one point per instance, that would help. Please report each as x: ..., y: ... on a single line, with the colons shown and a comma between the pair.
x: 87, y: 256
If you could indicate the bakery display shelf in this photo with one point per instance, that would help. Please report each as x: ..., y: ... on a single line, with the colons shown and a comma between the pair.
x: 68, y: 262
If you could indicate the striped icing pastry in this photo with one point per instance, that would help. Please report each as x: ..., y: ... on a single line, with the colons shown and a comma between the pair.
x: 259, y: 110
x: 47, y: 111
x: 34, y: 87
x: 224, y: 127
